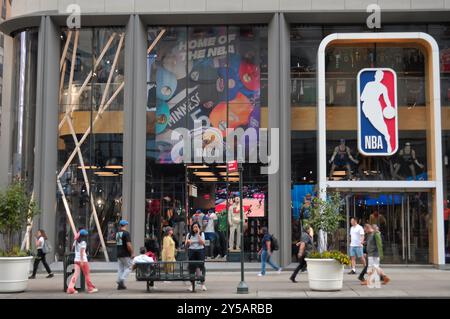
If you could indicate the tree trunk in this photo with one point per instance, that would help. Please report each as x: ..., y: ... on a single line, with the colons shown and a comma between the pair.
x: 323, y: 242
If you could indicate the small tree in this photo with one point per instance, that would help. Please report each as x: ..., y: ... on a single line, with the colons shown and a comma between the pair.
x: 16, y: 208
x: 326, y: 217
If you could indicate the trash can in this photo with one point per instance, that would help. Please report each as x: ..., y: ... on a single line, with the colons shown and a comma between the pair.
x: 69, y: 270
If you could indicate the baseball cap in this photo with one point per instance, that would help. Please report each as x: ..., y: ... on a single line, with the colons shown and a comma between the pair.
x: 84, y: 232
x: 123, y: 222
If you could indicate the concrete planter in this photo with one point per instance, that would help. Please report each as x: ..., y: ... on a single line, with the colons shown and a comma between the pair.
x: 14, y: 273
x: 325, y: 274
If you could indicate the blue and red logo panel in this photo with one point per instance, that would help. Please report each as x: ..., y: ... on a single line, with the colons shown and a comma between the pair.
x: 377, y: 112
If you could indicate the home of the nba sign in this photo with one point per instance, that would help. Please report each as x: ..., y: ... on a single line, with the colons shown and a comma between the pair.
x: 377, y: 112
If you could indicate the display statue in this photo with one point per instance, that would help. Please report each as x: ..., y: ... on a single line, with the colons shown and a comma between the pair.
x: 407, y: 158
x: 234, y: 221
x: 341, y: 158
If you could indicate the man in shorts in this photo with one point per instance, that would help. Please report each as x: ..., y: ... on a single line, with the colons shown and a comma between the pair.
x: 356, y: 244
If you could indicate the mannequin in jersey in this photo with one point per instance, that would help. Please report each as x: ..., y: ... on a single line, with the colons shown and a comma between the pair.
x: 341, y: 158
x: 407, y: 158
x: 234, y: 221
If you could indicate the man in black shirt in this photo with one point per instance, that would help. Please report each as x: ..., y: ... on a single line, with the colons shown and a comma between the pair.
x: 305, y: 248
x: 124, y: 254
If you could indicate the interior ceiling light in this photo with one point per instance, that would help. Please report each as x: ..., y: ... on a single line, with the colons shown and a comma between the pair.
x: 204, y: 173
x: 106, y: 174
x: 198, y: 166
x: 209, y: 179
x: 88, y: 167
x: 114, y: 166
x: 229, y: 174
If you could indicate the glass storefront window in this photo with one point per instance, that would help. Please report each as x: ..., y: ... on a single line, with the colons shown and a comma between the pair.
x: 442, y: 35
x: 202, y: 80
x: 342, y: 66
x: 91, y: 113
x: 404, y: 220
x: 343, y: 63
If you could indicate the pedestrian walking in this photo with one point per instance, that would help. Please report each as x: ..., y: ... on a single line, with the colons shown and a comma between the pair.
x: 266, y: 253
x: 374, y: 254
x: 364, y: 271
x: 81, y: 263
x: 42, y: 248
x: 306, y: 247
x: 356, y: 244
x: 168, y: 251
x: 124, y: 254
x: 195, y: 241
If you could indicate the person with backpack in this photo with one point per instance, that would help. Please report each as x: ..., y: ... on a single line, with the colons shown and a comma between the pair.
x: 43, y: 247
x: 305, y: 248
x: 269, y: 244
x: 81, y: 263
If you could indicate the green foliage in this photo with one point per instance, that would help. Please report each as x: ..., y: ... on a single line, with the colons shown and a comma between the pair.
x: 16, y: 208
x: 15, y: 252
x: 343, y: 259
x: 325, y: 214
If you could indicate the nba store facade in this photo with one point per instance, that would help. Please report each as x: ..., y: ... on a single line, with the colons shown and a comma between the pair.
x: 99, y: 115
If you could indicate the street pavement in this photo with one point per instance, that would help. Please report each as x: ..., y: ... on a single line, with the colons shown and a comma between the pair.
x: 406, y: 283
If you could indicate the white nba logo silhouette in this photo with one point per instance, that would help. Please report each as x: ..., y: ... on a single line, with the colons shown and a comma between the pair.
x: 372, y: 108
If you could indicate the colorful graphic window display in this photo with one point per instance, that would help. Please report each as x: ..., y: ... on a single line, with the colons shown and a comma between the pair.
x: 200, y: 78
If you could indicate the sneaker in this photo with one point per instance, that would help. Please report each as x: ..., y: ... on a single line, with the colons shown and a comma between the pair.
x: 352, y: 272
x: 50, y: 276
x: 279, y: 271
x: 121, y: 286
x: 386, y: 280
x: 72, y: 292
x: 94, y: 290
x: 32, y: 277
x: 203, y: 288
x: 190, y: 288
x: 260, y: 275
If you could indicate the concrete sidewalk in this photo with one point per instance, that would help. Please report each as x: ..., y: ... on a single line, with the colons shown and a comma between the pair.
x: 406, y: 283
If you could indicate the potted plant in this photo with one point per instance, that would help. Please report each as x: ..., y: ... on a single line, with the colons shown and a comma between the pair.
x: 16, y: 209
x: 326, y: 268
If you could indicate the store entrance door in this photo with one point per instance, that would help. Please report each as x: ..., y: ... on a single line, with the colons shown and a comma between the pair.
x: 404, y: 219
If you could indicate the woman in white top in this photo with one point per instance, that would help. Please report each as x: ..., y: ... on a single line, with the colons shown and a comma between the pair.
x: 41, y: 237
x: 195, y: 240
x: 81, y: 263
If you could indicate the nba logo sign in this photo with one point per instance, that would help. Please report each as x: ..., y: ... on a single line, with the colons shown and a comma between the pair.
x: 377, y: 112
